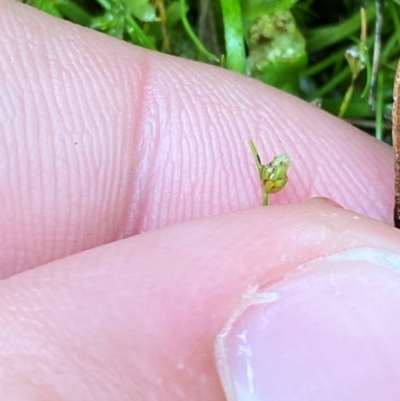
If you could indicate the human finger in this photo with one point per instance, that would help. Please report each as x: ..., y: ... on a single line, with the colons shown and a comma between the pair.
x: 138, y: 318
x: 101, y: 140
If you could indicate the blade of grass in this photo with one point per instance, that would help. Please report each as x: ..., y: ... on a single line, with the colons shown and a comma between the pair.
x: 377, y: 51
x: 320, y: 38
x: 234, y: 35
x: 379, y: 107
x: 396, y: 20
x: 325, y: 63
x: 338, y: 78
x: 137, y: 34
x: 193, y: 36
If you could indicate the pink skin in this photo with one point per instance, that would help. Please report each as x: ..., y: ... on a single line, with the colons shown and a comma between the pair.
x: 100, y: 141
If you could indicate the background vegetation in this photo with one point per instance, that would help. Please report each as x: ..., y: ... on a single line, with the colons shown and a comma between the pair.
x: 319, y: 50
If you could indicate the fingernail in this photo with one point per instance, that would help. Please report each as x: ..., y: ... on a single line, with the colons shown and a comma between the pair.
x: 329, y: 331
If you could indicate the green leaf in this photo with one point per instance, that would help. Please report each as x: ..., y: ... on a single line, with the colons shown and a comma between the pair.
x: 75, y: 13
x: 173, y: 14
x: 277, y: 52
x: 142, y: 10
x: 254, y: 8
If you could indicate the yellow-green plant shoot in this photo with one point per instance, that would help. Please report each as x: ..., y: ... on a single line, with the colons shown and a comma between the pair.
x: 273, y: 176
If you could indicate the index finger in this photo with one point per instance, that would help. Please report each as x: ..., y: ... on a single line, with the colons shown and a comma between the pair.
x: 102, y: 140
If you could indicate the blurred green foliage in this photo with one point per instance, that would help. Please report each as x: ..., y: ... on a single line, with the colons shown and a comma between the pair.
x: 296, y: 45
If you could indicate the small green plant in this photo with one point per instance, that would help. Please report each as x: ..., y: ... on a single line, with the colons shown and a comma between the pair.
x: 357, y: 57
x: 273, y: 176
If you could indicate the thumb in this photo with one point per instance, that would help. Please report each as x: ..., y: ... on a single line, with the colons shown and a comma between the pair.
x: 328, y: 331
x: 140, y: 316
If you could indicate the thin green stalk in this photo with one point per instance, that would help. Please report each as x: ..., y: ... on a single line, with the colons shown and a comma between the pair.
x: 105, y: 4
x: 346, y: 99
x: 137, y: 35
x: 193, y: 36
x: 377, y: 52
x: 396, y: 21
x: 336, y: 80
x: 324, y: 64
x: 390, y: 49
x: 234, y: 35
x: 379, y: 108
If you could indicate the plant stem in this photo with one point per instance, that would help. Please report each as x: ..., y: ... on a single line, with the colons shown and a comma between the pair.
x: 193, y: 36
x: 234, y: 36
